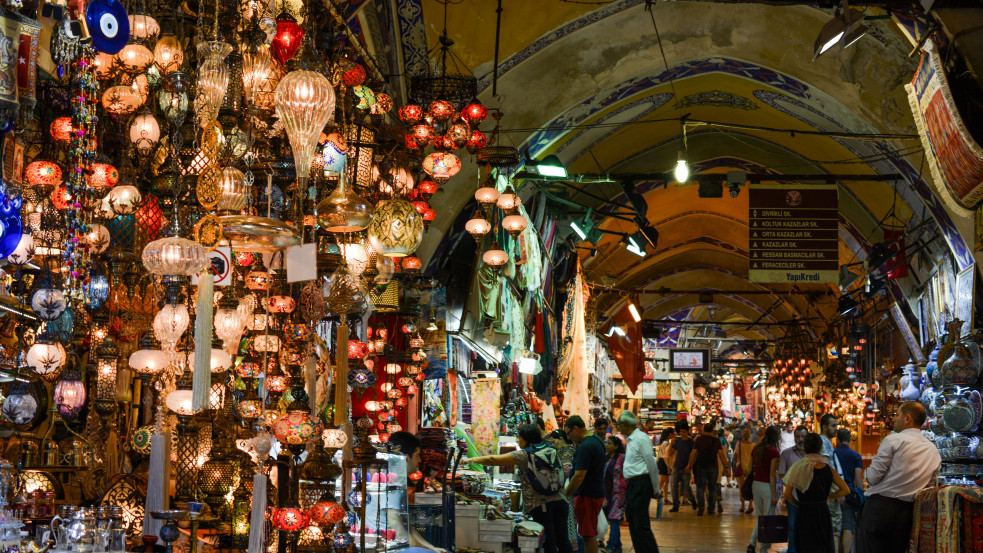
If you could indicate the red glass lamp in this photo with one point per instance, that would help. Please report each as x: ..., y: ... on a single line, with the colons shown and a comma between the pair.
x: 61, y: 129
x: 474, y: 112
x: 290, y: 519
x: 410, y: 113
x: 357, y: 349
x: 287, y: 38
x: 43, y: 173
x: 441, y: 110
x: 103, y: 175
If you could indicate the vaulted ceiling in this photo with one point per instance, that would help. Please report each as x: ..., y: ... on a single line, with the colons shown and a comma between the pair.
x: 593, y: 84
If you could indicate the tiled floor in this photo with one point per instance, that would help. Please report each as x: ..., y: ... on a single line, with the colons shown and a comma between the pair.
x: 684, y: 532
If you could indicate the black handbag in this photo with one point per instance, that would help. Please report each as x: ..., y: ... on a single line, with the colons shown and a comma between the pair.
x: 746, y: 491
x: 772, y: 528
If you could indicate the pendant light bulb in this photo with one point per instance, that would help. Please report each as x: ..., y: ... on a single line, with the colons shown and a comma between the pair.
x: 682, y: 169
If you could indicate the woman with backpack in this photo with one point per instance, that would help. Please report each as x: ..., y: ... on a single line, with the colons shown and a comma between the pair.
x: 542, y: 485
x: 614, y: 487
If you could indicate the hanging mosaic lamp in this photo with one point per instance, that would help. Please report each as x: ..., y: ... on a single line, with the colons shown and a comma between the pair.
x: 441, y: 166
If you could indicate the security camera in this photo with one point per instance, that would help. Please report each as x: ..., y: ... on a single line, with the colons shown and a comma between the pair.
x: 735, y: 189
x: 735, y: 180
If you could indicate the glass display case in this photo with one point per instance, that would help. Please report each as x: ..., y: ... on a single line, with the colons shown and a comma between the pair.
x: 378, y: 497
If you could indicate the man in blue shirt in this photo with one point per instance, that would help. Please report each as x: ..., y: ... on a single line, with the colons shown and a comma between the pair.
x: 853, y: 467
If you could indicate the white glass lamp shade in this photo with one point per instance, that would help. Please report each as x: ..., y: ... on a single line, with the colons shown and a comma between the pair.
x: 508, y: 201
x: 168, y: 54
x: 477, y: 226
x: 220, y: 360
x: 135, y: 58
x: 356, y: 256
x: 269, y: 343
x: 213, y: 79
x: 514, y: 224
x: 124, y: 200
x: 143, y: 26
x: 392, y: 368
x: 149, y: 361
x: 174, y: 255
x: 334, y: 438
x: 170, y: 323
x: 486, y: 195
x: 229, y: 324
x: 46, y: 358
x: 98, y: 238
x: 305, y: 103
x: 232, y: 184
x: 495, y: 257
x: 255, y: 70
x: 24, y: 252
x: 179, y: 401
x: 49, y: 303
x: 144, y: 132
x: 257, y: 321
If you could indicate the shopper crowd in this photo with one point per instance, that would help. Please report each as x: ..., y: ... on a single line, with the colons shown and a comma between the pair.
x: 581, y: 484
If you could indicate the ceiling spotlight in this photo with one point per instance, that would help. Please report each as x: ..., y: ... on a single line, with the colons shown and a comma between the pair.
x: 649, y: 234
x: 634, y: 311
x: 583, y: 225
x: 845, y: 24
x: 682, y: 169
x: 549, y: 166
x: 635, y: 243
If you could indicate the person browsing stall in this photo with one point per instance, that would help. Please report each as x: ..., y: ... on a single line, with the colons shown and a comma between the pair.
x: 587, y: 484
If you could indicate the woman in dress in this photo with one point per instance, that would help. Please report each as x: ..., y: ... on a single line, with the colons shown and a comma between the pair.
x: 742, y: 457
x: 807, y: 485
x: 550, y: 511
x: 614, y: 489
x: 764, y: 470
x: 665, y: 448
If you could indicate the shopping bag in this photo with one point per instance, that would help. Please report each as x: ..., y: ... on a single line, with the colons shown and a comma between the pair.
x: 772, y: 528
x: 602, y: 524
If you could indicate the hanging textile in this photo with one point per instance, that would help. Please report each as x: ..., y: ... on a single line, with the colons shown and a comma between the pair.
x: 486, y: 399
x: 574, y: 364
x: 626, y: 348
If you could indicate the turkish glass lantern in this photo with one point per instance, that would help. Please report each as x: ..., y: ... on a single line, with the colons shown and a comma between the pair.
x: 69, y: 396
x: 104, y: 175
x: 170, y: 323
x: 356, y: 256
x: 168, y: 53
x: 24, y: 252
x: 219, y: 360
x: 251, y: 406
x: 98, y: 238
x: 361, y: 377
x: 122, y: 99
x: 474, y: 112
x: 477, y: 141
x: 514, y: 225
x: 357, y: 349
x: 441, y: 166
x: 458, y: 134
x: 410, y: 113
x: 20, y: 406
x: 149, y: 359
x: 48, y: 302
x: 508, y: 201
x: 477, y: 226
x: 287, y: 38
x: 495, y: 257
x: 392, y: 368
x: 213, y: 79
x: 397, y: 228
x: 229, y: 325
x: 135, y: 58
x: 486, y: 196
x: 428, y: 188
x: 61, y: 129
x: 343, y: 210
x: 266, y: 343
x: 441, y: 110
x: 412, y: 263
x: 289, y: 519
x: 422, y: 135
x: 107, y: 359
x: 256, y: 67
x: 258, y: 280
x: 334, y: 438
x: 174, y: 255
x: 232, y: 185
x: 42, y: 173
x: 280, y: 304
x: 125, y: 199
x: 305, y: 103
x: 179, y: 401
x: 144, y: 133
x: 46, y: 356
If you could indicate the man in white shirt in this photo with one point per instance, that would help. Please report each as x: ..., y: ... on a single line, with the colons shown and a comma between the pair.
x: 788, y: 437
x: 642, y: 475
x: 905, y: 464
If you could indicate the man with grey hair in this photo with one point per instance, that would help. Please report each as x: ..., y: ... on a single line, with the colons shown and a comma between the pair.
x: 642, y: 475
